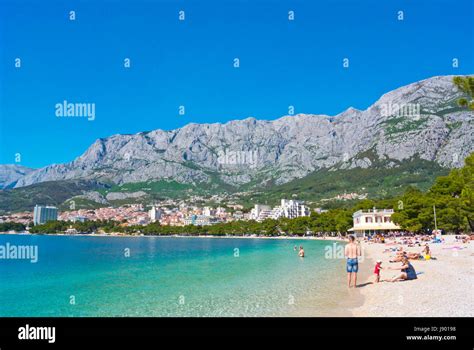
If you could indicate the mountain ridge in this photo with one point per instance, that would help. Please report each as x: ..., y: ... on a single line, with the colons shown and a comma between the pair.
x: 11, y: 173
x: 284, y: 149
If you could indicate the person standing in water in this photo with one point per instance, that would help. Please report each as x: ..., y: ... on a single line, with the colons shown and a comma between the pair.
x: 301, y: 252
x: 352, y: 253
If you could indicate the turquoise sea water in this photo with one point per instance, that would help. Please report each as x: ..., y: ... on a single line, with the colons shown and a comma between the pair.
x: 94, y: 276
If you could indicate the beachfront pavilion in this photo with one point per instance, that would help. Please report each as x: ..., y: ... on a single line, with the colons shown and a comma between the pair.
x: 373, y: 221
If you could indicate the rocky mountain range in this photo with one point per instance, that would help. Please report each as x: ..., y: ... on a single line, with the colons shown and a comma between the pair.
x: 419, y: 120
x: 11, y: 173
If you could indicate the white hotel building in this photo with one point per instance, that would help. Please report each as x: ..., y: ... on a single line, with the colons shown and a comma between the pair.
x: 288, y: 209
x: 373, y: 221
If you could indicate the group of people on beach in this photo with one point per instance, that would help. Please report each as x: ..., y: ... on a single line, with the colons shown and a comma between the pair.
x: 406, y: 271
x: 353, y: 251
x: 400, y: 254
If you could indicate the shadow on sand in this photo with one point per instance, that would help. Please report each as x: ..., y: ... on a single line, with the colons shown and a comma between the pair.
x: 364, y: 284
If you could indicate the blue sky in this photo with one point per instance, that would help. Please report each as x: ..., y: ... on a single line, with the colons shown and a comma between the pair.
x: 190, y: 63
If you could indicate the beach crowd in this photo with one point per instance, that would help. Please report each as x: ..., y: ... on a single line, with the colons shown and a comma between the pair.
x: 402, y: 249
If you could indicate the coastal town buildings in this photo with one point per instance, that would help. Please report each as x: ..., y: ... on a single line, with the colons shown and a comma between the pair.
x: 235, y: 206
x: 164, y: 212
x: 260, y: 212
x: 346, y: 196
x: 238, y: 215
x: 155, y: 214
x: 291, y: 209
x: 174, y: 216
x: 79, y: 218
x: 131, y: 214
x: 199, y: 220
x: 24, y: 218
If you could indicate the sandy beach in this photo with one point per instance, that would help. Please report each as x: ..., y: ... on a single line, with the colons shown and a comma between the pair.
x: 444, y: 287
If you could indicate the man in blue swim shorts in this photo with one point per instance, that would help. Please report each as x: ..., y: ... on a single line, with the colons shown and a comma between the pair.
x: 352, y: 252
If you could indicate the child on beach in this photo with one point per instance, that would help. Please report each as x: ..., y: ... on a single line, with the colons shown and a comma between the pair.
x: 378, y: 267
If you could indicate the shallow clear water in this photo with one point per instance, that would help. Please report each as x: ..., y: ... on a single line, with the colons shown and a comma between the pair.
x: 168, y: 276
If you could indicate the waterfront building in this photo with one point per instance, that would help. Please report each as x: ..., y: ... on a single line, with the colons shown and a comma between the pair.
x: 258, y: 209
x: 264, y: 214
x: 198, y: 220
x: 71, y: 231
x: 289, y: 208
x: 373, y: 221
x: 43, y: 214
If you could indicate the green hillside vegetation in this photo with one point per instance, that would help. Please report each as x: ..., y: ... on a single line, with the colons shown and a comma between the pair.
x: 453, y: 196
x: 171, y: 187
x: 45, y: 193
x: 378, y: 182
x: 466, y: 85
x: 402, y: 124
x: 80, y: 203
x: 61, y: 193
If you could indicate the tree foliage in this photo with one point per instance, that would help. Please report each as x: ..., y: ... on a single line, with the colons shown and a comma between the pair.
x: 11, y: 226
x: 451, y: 195
x: 466, y: 85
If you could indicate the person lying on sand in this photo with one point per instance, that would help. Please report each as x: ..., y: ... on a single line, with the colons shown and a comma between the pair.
x: 407, y: 271
x: 401, y: 254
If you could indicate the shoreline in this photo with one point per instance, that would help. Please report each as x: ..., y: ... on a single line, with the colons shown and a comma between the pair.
x: 174, y: 236
x: 350, y: 299
x: 442, y: 287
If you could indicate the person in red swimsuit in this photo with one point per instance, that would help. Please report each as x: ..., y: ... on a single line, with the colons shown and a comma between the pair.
x: 378, y: 267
